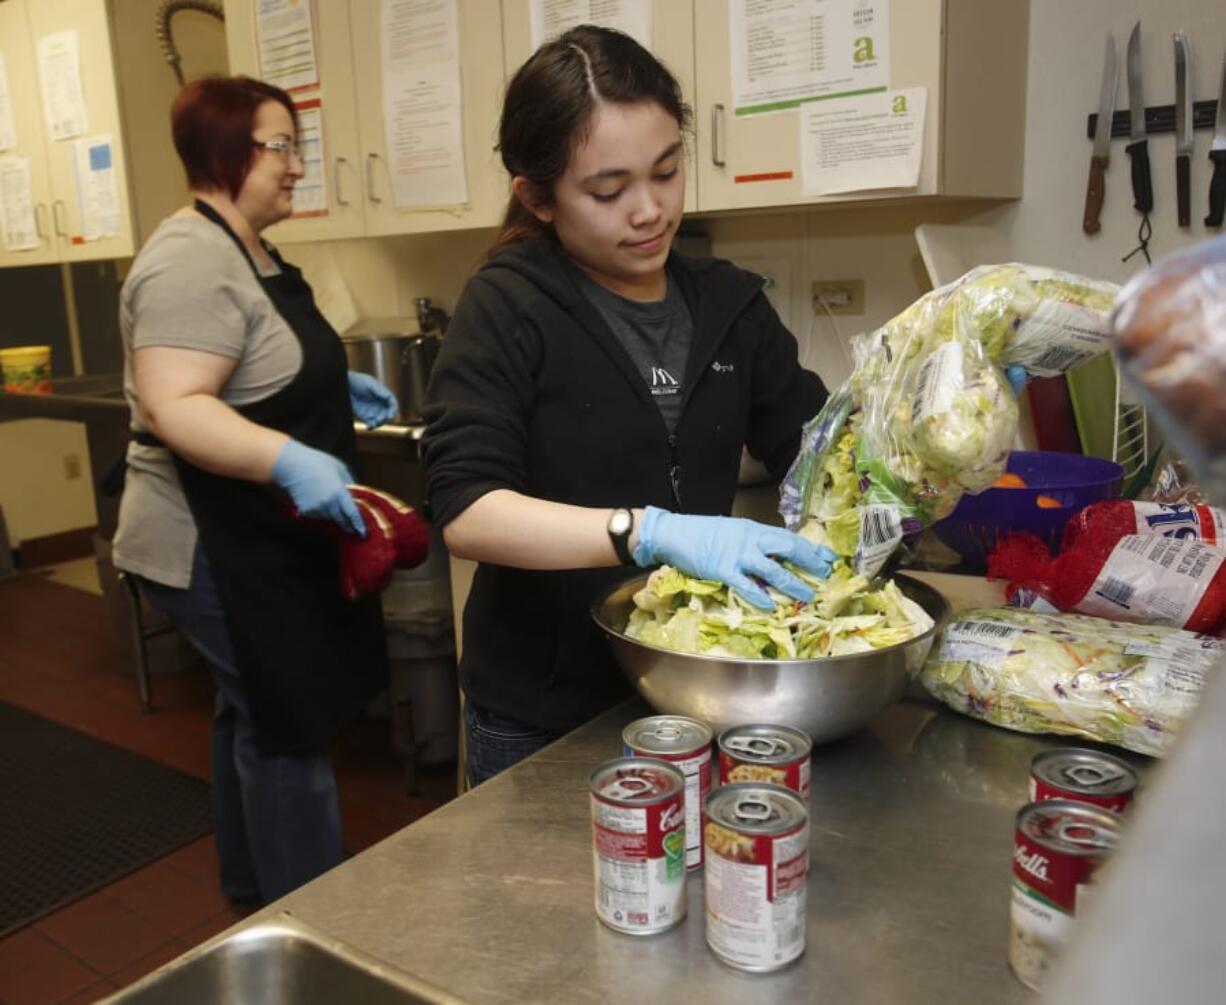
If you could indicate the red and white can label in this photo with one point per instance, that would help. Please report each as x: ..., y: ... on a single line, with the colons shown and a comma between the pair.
x: 1050, y: 877
x: 1041, y: 789
x: 793, y: 775
x: 755, y: 893
x: 697, y: 771
x: 639, y: 859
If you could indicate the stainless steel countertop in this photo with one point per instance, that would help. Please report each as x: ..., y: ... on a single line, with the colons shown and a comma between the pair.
x: 490, y: 897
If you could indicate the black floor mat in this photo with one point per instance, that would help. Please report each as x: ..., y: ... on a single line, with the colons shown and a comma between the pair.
x: 77, y: 813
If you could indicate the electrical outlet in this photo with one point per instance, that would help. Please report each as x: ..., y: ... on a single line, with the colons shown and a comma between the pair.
x: 72, y: 467
x: 840, y: 296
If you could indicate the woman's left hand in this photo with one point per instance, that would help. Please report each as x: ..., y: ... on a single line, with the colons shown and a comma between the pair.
x: 372, y: 402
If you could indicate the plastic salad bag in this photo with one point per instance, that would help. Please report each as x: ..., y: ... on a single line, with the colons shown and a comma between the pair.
x: 1130, y: 685
x: 1170, y: 331
x: 927, y: 413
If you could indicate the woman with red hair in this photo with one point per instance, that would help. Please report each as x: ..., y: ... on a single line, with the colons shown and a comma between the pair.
x: 242, y: 412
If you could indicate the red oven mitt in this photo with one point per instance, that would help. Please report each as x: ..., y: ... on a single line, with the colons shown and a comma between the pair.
x: 396, y: 537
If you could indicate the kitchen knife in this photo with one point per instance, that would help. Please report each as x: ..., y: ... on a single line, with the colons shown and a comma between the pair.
x: 1217, y: 154
x: 1183, y: 126
x: 1138, y: 149
x: 1102, y: 139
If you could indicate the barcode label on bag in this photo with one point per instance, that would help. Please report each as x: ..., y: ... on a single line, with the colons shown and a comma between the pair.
x: 880, y: 535
x: 1116, y: 591
x: 987, y: 643
x: 1152, y: 580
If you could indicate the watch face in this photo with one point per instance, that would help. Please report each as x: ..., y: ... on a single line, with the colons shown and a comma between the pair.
x: 619, y: 522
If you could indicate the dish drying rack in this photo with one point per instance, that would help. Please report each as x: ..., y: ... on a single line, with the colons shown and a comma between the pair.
x: 1130, y: 444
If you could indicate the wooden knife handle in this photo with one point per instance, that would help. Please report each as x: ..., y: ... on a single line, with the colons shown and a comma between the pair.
x: 1095, y: 190
x: 1217, y: 189
x: 1142, y: 185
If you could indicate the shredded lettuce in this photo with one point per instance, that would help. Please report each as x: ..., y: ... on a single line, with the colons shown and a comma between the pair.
x: 674, y: 611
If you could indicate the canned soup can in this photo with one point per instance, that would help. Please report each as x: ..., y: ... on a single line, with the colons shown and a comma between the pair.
x: 766, y: 753
x: 638, y: 844
x: 757, y: 848
x: 1058, y: 846
x: 685, y: 743
x: 1087, y: 776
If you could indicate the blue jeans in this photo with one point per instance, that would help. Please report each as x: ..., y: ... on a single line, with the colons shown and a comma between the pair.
x: 495, y: 743
x: 277, y: 815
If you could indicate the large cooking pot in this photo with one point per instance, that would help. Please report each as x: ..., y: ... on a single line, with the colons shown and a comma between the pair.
x: 401, y: 360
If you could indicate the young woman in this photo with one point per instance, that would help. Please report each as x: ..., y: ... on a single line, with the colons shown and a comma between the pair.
x: 593, y: 387
x: 241, y: 405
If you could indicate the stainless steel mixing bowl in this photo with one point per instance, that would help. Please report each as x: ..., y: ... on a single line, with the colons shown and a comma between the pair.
x: 827, y: 698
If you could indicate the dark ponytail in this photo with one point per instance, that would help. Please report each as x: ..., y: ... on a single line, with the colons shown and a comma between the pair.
x: 549, y: 105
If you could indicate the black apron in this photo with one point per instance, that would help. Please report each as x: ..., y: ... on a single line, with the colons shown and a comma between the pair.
x: 309, y: 660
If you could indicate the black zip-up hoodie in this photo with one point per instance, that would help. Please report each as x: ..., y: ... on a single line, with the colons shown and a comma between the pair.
x: 533, y: 392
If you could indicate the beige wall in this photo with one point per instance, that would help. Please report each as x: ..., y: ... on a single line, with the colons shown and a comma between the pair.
x: 37, y: 496
x: 1066, y: 43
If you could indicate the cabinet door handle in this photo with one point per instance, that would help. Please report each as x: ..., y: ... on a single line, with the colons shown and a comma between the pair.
x: 370, y: 177
x: 55, y: 217
x: 336, y: 181
x: 717, y: 121
x: 39, y: 210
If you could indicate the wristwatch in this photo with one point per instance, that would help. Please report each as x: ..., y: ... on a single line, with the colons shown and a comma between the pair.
x: 621, y: 523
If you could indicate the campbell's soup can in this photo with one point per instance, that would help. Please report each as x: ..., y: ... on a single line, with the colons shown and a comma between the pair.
x: 686, y: 743
x: 765, y: 753
x: 1058, y: 846
x: 757, y: 865
x: 1087, y: 776
x: 638, y: 844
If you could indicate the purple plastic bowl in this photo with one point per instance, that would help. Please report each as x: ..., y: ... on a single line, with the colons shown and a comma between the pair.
x: 1073, y: 480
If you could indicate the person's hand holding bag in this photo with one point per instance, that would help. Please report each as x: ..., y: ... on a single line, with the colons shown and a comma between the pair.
x: 373, y: 403
x: 731, y: 550
x: 318, y: 484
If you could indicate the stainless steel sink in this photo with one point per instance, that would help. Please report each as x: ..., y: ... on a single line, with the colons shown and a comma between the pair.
x: 279, y: 961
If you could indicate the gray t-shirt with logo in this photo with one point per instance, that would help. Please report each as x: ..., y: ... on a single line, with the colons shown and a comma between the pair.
x: 656, y: 334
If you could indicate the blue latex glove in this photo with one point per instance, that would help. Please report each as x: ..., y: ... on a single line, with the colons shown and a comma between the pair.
x: 372, y: 402
x: 1017, y: 377
x: 318, y: 483
x: 731, y: 550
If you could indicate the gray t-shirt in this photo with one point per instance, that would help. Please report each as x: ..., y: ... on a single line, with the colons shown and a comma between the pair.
x: 656, y: 334
x: 191, y: 288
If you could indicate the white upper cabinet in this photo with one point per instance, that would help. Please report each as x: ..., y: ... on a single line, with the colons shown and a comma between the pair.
x: 969, y: 55
x: 481, y: 82
x: 356, y: 166
x: 55, y: 192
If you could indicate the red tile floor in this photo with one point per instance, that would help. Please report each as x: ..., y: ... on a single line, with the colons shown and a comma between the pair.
x: 58, y: 658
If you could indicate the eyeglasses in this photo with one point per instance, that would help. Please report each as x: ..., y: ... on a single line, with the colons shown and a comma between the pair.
x: 285, y: 148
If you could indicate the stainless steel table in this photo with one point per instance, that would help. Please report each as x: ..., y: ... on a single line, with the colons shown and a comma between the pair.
x: 490, y: 897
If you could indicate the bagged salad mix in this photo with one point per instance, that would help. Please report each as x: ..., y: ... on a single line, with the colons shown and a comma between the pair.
x: 927, y: 413
x: 1129, y: 685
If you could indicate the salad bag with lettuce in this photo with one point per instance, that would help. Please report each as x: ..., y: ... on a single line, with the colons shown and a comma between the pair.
x: 927, y: 413
x: 1134, y: 686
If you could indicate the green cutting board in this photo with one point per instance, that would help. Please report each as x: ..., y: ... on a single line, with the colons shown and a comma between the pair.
x: 1091, y: 389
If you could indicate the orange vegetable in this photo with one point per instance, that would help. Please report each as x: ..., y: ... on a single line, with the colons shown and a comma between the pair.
x: 1047, y: 502
x: 1009, y: 481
